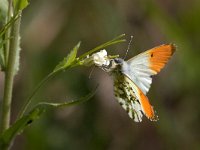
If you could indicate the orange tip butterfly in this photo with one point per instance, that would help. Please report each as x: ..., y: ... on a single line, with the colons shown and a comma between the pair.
x: 132, y: 80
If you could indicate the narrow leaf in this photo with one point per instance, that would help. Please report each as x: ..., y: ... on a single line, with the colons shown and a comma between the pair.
x: 67, y: 61
x: 18, y: 127
x: 116, y: 40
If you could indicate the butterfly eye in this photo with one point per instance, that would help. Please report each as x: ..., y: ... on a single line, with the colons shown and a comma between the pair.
x: 118, y: 60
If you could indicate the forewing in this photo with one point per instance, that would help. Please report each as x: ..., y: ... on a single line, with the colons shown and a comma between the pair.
x: 148, y: 63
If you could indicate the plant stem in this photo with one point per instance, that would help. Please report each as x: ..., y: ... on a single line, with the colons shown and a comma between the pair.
x: 28, y: 101
x: 7, y: 34
x: 10, y: 74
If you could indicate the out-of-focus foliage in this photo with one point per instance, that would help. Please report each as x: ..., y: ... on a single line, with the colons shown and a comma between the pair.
x: 18, y: 127
x: 3, y: 11
x: 50, y: 27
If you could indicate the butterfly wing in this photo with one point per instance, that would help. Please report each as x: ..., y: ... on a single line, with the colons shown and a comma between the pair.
x: 148, y: 63
x: 145, y: 105
x: 132, y: 99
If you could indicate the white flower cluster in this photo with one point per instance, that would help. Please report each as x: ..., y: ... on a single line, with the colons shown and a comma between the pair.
x: 100, y: 58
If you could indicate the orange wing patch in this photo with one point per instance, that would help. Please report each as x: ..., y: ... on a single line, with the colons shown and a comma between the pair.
x: 144, y: 101
x: 146, y: 106
x: 159, y: 56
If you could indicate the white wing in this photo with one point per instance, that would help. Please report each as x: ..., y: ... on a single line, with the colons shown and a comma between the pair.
x: 141, y: 67
x: 140, y: 73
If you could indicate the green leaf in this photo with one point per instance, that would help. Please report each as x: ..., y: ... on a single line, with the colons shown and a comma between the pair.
x: 116, y: 40
x: 20, y: 4
x: 18, y: 127
x: 67, y: 61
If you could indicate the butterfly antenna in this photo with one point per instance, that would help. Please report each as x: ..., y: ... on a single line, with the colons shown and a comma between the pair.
x: 129, y: 44
x: 90, y: 75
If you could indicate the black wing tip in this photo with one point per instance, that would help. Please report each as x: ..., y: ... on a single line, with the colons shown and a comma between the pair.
x: 173, y: 47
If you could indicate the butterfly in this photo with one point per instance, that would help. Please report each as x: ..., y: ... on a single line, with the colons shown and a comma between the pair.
x: 133, y: 78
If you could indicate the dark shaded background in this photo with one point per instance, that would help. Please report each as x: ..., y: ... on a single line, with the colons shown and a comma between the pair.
x: 50, y: 28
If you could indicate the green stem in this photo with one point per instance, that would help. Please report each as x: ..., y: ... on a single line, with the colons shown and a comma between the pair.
x: 28, y: 101
x: 9, y: 75
x: 7, y: 34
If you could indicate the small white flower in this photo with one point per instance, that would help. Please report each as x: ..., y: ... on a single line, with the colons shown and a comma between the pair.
x: 100, y: 58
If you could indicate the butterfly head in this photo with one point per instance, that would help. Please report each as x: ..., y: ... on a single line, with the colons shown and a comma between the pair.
x: 116, y: 65
x: 118, y: 61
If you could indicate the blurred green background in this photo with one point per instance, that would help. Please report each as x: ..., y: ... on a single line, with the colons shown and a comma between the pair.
x: 50, y: 28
